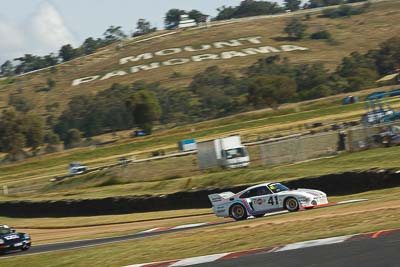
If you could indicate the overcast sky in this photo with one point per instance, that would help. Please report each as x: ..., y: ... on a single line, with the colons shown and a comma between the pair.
x: 42, y: 26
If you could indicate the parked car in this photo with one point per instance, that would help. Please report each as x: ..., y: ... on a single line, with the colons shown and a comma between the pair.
x: 390, y: 136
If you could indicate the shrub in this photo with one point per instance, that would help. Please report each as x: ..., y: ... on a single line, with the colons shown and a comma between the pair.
x: 321, y: 35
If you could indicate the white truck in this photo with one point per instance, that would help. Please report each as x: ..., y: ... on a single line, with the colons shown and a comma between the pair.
x: 225, y: 152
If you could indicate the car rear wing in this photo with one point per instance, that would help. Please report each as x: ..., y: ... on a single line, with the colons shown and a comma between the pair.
x: 218, y: 198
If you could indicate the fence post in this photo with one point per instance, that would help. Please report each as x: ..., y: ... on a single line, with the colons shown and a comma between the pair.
x: 350, y: 140
x: 5, y: 190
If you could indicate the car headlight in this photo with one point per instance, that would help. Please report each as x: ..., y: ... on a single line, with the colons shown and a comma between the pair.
x: 26, y: 236
x: 1, y: 241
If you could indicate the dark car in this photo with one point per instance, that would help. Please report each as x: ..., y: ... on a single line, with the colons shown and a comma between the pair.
x: 388, y: 137
x: 11, y: 240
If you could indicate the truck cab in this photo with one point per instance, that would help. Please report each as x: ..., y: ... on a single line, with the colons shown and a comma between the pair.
x: 235, y: 157
x: 226, y: 152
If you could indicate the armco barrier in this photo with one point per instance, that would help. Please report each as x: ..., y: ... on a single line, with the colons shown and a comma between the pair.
x: 332, y: 184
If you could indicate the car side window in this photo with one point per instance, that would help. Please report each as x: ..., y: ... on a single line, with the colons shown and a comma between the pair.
x: 263, y: 190
x: 258, y: 191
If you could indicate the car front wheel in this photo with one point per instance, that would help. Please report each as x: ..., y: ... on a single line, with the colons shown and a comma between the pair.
x: 291, y: 204
x: 25, y: 247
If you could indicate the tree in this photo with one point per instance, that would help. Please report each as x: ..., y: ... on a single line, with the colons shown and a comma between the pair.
x: 271, y: 90
x: 197, y: 16
x: 30, y: 63
x: 90, y: 45
x: 20, y: 103
x: 225, y: 13
x: 173, y: 17
x: 388, y: 57
x: 51, y: 138
x: 145, y: 108
x: 143, y: 27
x: 295, y: 29
x: 321, y: 3
x: 73, y: 138
x: 113, y: 34
x: 51, y: 60
x: 33, y: 131
x: 7, y: 69
x: 248, y: 8
x: 292, y: 5
x: 67, y: 52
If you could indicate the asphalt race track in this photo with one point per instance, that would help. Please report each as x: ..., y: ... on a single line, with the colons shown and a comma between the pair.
x: 98, y: 241
x: 35, y: 249
x: 383, y: 251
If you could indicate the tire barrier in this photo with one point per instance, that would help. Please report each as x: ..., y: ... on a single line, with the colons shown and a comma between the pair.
x: 333, y: 184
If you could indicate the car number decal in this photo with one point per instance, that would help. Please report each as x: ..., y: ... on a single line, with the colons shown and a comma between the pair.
x: 271, y: 200
x: 10, y: 237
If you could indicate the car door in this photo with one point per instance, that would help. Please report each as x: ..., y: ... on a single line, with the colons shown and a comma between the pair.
x: 262, y: 199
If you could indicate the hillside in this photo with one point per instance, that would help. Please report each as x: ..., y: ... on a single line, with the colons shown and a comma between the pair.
x: 178, y: 52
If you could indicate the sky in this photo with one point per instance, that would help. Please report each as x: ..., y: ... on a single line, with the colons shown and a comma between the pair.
x: 40, y: 27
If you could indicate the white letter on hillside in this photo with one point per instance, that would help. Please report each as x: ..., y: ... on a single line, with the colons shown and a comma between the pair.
x: 261, y: 50
x: 176, y: 61
x: 137, y: 58
x: 199, y: 58
x: 169, y: 51
x: 85, y: 80
x: 231, y: 54
x: 151, y: 66
x: 191, y: 49
x: 112, y: 74
x: 288, y: 48
x: 253, y: 40
x: 229, y: 43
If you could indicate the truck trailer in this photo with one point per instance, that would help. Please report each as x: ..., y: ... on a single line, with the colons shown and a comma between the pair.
x: 225, y: 152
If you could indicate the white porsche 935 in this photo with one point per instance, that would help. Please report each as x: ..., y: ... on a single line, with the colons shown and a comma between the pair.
x: 265, y: 198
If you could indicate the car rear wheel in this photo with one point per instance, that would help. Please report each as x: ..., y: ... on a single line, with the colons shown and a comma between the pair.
x: 238, y: 212
x: 291, y: 204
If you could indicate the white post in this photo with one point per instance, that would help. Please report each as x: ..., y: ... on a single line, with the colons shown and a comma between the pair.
x: 5, y: 190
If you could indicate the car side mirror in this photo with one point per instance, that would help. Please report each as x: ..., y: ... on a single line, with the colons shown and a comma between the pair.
x: 12, y: 230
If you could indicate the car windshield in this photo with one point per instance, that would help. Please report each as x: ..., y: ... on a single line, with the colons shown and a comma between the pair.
x: 4, y: 230
x: 235, y: 153
x: 276, y: 188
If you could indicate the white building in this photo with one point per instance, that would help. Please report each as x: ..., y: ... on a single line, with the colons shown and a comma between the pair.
x: 186, y: 22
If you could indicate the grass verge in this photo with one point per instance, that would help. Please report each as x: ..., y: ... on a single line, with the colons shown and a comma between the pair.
x: 381, y: 213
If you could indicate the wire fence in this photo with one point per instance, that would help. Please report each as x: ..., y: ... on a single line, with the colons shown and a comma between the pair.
x: 330, y: 143
x: 300, y: 148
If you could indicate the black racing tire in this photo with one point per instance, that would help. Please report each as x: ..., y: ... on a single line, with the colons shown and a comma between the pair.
x: 238, y: 212
x: 292, y: 204
x: 26, y: 247
x: 259, y: 215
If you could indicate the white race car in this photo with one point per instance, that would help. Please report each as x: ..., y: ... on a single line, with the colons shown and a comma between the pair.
x: 263, y: 198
